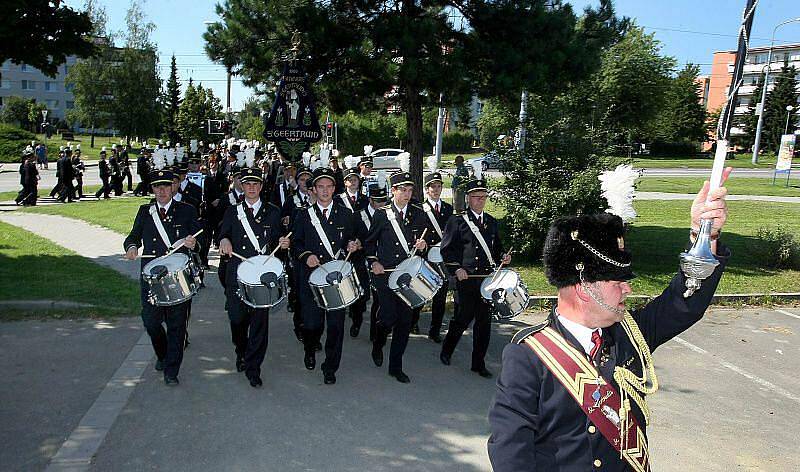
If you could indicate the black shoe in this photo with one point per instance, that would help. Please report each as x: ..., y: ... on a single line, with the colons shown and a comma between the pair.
x: 435, y: 338
x: 171, y: 380
x: 445, y: 358
x: 415, y: 329
x: 483, y: 372
x: 318, y: 347
x: 354, y: 330
x: 160, y: 365
x: 377, y: 355
x: 255, y: 381
x: 299, y: 334
x: 330, y: 378
x: 401, y: 377
x: 310, y: 361
x: 239, y: 364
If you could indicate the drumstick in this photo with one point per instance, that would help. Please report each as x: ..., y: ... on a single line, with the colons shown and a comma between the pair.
x: 501, y: 265
x: 415, y: 247
x: 239, y: 256
x: 183, y: 241
x: 277, y: 247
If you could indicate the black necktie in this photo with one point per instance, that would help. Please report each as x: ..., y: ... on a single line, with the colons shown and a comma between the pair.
x: 480, y: 221
x: 162, y: 212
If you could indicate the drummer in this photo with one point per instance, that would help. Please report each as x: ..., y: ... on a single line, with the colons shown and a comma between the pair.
x: 299, y: 200
x: 261, y: 219
x: 321, y: 233
x: 471, y: 248
x: 364, y: 218
x: 385, y: 249
x: 169, y: 222
x: 352, y: 198
x: 439, y: 213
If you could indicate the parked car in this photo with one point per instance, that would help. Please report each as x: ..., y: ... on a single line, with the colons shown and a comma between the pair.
x: 386, y: 158
x: 490, y: 160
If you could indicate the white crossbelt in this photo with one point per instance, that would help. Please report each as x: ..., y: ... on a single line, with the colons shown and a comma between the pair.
x: 159, y: 225
x: 479, y: 236
x: 429, y: 212
x: 346, y: 199
x: 231, y: 198
x: 397, y: 231
x: 320, y: 232
x: 365, y: 218
x: 248, y: 230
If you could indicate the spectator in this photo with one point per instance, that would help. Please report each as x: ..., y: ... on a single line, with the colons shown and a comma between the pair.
x: 459, y: 179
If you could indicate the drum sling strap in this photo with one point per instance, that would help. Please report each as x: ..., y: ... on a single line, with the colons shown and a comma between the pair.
x: 596, y: 396
x: 365, y: 218
x: 434, y: 222
x: 232, y: 198
x: 346, y: 199
x: 159, y: 225
x: 248, y: 230
x: 479, y: 237
x: 396, y: 227
x: 320, y: 232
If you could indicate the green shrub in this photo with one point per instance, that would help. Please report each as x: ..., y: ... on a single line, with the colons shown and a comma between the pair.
x: 457, y: 141
x: 13, y: 141
x: 777, y: 248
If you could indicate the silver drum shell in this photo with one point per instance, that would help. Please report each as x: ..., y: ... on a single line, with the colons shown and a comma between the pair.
x: 256, y: 295
x: 423, y: 282
x: 178, y: 285
x: 337, y: 295
x: 507, y: 293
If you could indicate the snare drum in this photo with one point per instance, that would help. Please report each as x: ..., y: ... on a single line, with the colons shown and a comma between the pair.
x: 335, y: 285
x: 172, y: 279
x: 507, y: 293
x: 435, y: 257
x: 262, y: 281
x: 415, y: 281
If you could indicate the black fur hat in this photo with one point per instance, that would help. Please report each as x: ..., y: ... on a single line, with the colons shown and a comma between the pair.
x: 566, y: 247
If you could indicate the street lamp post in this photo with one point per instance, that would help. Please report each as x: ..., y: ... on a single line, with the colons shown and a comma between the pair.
x: 789, y: 109
x: 757, y: 143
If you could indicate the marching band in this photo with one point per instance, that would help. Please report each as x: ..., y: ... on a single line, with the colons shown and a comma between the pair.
x: 322, y: 238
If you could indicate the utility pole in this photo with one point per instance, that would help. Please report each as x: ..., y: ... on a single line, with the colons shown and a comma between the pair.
x: 437, y: 151
x: 523, y: 119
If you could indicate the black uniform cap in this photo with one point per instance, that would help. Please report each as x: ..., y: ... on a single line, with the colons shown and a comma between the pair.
x: 567, y: 248
x: 251, y: 174
x: 476, y: 185
x: 432, y: 177
x: 377, y: 193
x: 352, y: 171
x: 323, y: 173
x: 161, y: 176
x: 400, y: 178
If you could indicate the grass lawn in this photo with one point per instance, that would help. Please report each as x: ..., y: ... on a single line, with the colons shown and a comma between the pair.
x: 739, y: 161
x: 116, y: 214
x: 33, y: 268
x: 87, y: 152
x: 736, y: 186
x: 656, y: 238
x: 661, y: 230
x: 88, y: 190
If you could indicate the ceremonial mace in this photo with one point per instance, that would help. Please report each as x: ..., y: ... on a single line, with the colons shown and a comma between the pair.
x: 698, y: 263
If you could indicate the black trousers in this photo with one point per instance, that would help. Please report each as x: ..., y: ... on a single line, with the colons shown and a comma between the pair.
x: 373, y: 313
x: 116, y: 184
x: 79, y: 187
x: 126, y: 172
x: 249, y: 333
x: 168, y: 344
x: 68, y: 192
x: 358, y: 308
x: 57, y: 189
x: 471, y: 307
x: 438, y: 305
x: 316, y: 321
x: 394, y: 317
x: 293, y: 299
x: 105, y: 189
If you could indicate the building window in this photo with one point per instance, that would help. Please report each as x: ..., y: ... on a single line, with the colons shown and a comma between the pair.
x: 70, y: 104
x: 50, y: 86
x: 28, y: 85
x: 23, y: 67
x: 1, y: 101
x: 5, y: 84
x: 69, y: 87
x: 51, y: 104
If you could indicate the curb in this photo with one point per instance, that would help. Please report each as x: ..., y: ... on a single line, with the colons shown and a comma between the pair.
x: 43, y: 304
x: 716, y: 299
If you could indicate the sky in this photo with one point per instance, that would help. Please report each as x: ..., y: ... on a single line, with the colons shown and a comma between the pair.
x: 689, y: 30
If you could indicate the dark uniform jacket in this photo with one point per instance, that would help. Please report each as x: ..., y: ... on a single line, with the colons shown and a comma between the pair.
x: 536, y: 425
x: 266, y: 226
x: 29, y: 174
x: 192, y: 194
x: 382, y: 244
x: 461, y: 249
x: 104, y: 169
x: 67, y: 172
x: 445, y: 212
x: 114, y: 165
x: 339, y: 227
x: 361, y: 201
x: 141, y: 166
x: 181, y: 221
x: 227, y: 200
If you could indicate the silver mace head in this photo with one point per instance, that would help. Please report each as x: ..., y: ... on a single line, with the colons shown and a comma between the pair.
x: 699, y: 262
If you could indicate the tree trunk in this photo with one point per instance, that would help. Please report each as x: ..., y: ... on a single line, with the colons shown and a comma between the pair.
x: 91, y: 145
x: 413, y: 110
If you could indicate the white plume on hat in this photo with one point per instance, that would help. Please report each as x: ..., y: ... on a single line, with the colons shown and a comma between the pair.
x: 432, y: 162
x: 103, y: 149
x: 477, y: 168
x: 351, y: 161
x: 77, y: 146
x: 315, y: 164
x: 404, y: 159
x: 306, y: 158
x: 159, y: 159
x: 61, y: 148
x: 180, y: 153
x: 193, y: 146
x: 367, y: 149
x: 240, y: 158
x: 170, y: 155
x: 324, y: 157
x: 335, y: 153
x: 382, y: 178
x: 618, y: 189
x: 250, y: 157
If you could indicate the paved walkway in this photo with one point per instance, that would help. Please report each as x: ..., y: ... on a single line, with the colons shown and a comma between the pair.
x: 687, y: 196
x: 728, y: 378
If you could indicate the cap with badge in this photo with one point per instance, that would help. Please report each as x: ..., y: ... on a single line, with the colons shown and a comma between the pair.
x: 251, y: 174
x: 352, y: 171
x: 432, y: 177
x: 365, y: 161
x: 400, y: 178
x: 377, y: 193
x: 475, y: 185
x: 303, y: 170
x: 323, y: 173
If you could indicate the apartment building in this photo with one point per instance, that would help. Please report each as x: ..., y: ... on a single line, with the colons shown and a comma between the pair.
x: 22, y: 80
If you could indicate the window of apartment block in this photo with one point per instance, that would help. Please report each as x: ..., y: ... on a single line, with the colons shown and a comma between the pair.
x: 51, y: 104
x: 68, y: 87
x: 23, y: 67
x: 50, y: 86
x: 28, y: 85
x: 5, y: 84
x: 70, y: 104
